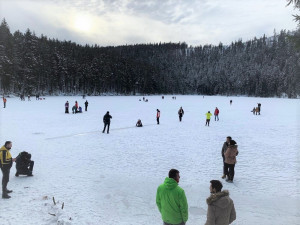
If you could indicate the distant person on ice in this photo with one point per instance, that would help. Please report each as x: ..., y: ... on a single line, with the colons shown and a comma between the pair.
x: 230, y: 160
x: 224, y: 148
x: 230, y: 102
x: 79, y: 109
x: 216, y: 113
x: 74, y: 109
x: 67, y: 107
x: 180, y: 113
x: 259, y: 108
x: 6, y: 162
x: 29, y: 98
x: 4, y: 102
x: 208, y: 115
x: 106, y: 121
x: 139, y: 123
x: 171, y: 200
x: 157, y: 115
x: 253, y: 110
x: 86, y: 105
x: 256, y: 110
x: 221, y: 209
x: 76, y: 105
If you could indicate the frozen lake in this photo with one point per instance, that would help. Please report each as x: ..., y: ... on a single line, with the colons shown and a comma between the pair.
x: 111, y: 179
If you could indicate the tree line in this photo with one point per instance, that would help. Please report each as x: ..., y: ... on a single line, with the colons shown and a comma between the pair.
x: 265, y: 67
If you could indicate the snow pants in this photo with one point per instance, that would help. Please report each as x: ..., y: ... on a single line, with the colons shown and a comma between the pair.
x: 5, y: 178
x: 180, y: 117
x: 106, y: 124
x: 229, y: 170
x: 157, y: 119
x: 207, y: 122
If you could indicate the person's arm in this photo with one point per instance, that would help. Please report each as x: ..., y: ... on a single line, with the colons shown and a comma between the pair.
x: 158, y: 202
x: 210, y: 215
x: 184, y: 207
x: 232, y: 214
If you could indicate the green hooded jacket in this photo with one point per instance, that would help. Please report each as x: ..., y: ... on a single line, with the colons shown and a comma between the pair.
x: 171, y: 202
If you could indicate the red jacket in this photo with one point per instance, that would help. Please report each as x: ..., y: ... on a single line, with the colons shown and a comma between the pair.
x: 216, y: 112
x: 158, y: 114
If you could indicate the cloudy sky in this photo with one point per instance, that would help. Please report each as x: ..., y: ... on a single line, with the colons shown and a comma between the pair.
x: 119, y: 22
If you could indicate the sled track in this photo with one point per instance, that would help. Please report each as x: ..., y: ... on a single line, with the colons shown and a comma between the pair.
x: 97, y: 131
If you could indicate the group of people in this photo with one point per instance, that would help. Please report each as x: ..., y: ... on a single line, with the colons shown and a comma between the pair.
x: 256, y: 110
x: 76, y: 108
x: 24, y: 166
x: 172, y: 203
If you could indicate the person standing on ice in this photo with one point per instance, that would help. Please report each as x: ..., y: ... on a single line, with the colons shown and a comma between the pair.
x: 86, y: 105
x: 76, y: 105
x: 157, y: 115
x: 221, y: 209
x: 224, y: 148
x: 208, y: 115
x: 230, y: 160
x: 67, y: 107
x: 106, y: 121
x: 4, y: 102
x: 230, y: 102
x: 6, y: 163
x: 259, y: 107
x: 216, y: 113
x: 171, y: 200
x: 180, y: 113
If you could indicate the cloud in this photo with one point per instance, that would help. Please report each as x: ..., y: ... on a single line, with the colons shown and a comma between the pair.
x: 118, y: 22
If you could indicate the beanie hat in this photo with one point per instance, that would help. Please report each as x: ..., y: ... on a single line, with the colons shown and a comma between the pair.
x: 232, y: 142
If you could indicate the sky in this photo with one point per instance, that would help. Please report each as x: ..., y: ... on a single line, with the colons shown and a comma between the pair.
x: 120, y: 22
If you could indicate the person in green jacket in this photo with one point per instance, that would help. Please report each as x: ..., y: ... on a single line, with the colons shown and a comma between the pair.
x: 171, y: 200
x: 208, y: 115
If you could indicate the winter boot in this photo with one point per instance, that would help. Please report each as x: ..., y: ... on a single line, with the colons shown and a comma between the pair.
x: 8, y: 191
x: 224, y: 176
x: 5, y: 195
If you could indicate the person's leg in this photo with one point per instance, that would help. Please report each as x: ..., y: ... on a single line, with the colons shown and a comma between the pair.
x: 5, y: 180
x: 231, y: 172
x: 31, y: 166
x: 208, y: 122
x: 226, y: 167
x: 104, y: 128
x: 108, y: 127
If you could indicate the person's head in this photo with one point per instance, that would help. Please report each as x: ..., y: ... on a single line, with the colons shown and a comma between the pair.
x: 157, y: 110
x: 232, y: 142
x: 228, y: 139
x: 107, y: 112
x: 173, y: 173
x: 8, y: 145
x: 215, y: 186
x: 208, y: 111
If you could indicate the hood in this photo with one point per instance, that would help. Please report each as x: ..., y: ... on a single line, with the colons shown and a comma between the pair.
x: 220, y: 199
x: 3, y: 148
x: 170, y: 183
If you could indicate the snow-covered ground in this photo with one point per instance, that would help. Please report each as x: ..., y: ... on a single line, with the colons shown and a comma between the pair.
x: 111, y: 179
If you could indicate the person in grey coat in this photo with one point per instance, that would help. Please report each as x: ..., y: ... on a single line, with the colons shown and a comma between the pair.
x: 221, y: 209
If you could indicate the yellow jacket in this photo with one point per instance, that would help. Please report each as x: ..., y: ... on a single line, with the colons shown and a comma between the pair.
x: 5, y: 157
x: 208, y: 115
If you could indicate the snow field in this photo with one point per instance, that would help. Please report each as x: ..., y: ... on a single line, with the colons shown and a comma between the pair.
x: 112, y: 178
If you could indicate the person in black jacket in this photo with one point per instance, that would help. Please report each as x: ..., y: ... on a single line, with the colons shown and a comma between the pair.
x: 106, y: 121
x: 224, y: 148
x: 86, y: 105
x: 180, y: 113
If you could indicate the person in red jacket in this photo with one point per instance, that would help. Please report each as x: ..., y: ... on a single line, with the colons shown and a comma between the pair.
x: 76, y: 105
x: 216, y: 113
x: 157, y: 115
x: 4, y: 102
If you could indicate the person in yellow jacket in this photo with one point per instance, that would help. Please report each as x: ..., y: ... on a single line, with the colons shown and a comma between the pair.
x: 6, y: 163
x: 208, y: 115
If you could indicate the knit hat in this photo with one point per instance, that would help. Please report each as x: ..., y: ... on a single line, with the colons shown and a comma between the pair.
x: 232, y: 142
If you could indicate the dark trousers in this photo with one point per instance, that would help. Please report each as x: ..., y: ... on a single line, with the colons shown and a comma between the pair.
x: 224, y: 171
x: 5, y: 178
x: 207, y: 122
x: 229, y: 170
x: 4, y: 104
x: 216, y: 117
x: 67, y: 110
x: 86, y: 108
x: 157, y: 119
x: 180, y: 117
x: 106, y: 124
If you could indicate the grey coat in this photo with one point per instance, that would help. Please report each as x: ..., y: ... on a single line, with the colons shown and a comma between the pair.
x: 221, y: 209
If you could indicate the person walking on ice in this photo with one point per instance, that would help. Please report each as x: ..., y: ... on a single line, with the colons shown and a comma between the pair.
x: 230, y: 160
x: 208, y: 115
x: 106, y: 121
x: 67, y: 107
x: 171, y: 200
x: 157, y: 115
x: 221, y: 209
x: 86, y: 105
x: 216, y: 113
x: 180, y: 113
